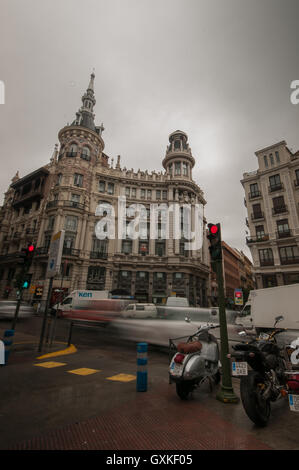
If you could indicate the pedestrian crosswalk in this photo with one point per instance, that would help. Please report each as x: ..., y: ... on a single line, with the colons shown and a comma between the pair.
x: 85, y: 371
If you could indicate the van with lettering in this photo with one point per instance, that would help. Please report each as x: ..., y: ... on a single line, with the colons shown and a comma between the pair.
x: 80, y: 299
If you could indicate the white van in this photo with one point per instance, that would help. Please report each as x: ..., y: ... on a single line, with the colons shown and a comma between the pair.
x: 81, y: 299
x: 140, y: 311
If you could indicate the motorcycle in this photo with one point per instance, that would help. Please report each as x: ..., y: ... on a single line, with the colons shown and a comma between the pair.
x: 194, y: 361
x: 267, y: 380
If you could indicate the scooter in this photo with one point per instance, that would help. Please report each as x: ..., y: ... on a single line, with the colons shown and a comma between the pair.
x: 195, y: 361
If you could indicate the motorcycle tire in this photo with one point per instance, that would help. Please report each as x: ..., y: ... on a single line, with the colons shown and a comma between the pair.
x: 257, y: 409
x: 184, y: 389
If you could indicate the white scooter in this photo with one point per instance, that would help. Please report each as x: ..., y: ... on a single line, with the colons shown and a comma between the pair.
x: 195, y: 361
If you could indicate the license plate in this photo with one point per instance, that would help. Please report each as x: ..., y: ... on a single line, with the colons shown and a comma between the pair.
x: 176, y: 369
x: 239, y: 368
x: 294, y: 402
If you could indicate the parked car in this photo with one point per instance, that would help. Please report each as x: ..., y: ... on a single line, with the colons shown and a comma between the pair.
x: 8, y: 308
x: 140, y: 311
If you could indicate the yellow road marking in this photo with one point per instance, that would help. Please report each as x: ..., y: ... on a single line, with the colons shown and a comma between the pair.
x: 122, y: 378
x: 63, y: 352
x: 83, y: 371
x: 50, y: 364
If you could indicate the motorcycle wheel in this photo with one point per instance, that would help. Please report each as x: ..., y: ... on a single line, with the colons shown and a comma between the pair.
x: 256, y: 408
x: 184, y: 389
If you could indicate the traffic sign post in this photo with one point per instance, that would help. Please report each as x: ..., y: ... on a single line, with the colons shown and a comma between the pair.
x: 54, y: 261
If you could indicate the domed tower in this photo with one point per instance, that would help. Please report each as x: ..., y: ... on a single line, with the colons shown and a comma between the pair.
x: 83, y: 139
x: 79, y: 157
x: 178, y: 161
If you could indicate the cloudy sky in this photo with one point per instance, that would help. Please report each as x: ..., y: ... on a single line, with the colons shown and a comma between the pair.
x: 220, y: 70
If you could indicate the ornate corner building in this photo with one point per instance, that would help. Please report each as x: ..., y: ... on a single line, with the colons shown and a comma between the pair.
x: 65, y: 193
x: 272, y: 198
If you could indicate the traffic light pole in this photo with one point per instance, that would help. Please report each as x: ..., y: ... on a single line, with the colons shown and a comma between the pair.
x: 23, y: 274
x: 45, y: 316
x: 226, y: 394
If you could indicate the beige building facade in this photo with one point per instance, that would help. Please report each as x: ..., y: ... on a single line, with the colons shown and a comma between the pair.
x: 65, y: 193
x: 272, y: 201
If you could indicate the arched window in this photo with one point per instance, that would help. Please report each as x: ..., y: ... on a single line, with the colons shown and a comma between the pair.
x: 85, y: 153
x: 72, y: 150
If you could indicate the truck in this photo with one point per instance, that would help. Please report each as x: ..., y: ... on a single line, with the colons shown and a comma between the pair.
x: 79, y: 299
x: 264, y: 305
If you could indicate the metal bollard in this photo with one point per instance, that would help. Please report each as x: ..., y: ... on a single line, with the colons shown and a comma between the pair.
x: 141, y: 367
x: 8, y: 342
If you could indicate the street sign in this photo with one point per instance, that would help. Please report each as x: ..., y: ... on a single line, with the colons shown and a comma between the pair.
x: 32, y: 289
x: 238, y: 297
x: 55, y: 253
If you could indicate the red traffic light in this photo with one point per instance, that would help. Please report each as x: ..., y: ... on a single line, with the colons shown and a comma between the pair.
x: 31, y: 248
x: 214, y: 229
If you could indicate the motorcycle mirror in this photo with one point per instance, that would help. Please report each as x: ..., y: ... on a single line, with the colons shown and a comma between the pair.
x: 187, y: 319
x: 279, y: 318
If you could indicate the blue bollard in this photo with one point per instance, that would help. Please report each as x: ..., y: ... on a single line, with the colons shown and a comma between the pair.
x: 141, y: 385
x: 8, y: 342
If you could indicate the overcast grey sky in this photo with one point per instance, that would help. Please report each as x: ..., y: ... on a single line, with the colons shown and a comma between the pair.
x: 220, y: 70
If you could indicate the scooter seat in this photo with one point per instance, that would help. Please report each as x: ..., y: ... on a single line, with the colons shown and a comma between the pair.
x: 188, y: 348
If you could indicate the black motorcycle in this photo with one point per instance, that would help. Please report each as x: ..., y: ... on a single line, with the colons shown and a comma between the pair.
x: 266, y: 380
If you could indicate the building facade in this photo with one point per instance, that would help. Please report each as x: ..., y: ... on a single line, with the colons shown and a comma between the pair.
x: 237, y: 274
x: 65, y: 194
x: 272, y: 198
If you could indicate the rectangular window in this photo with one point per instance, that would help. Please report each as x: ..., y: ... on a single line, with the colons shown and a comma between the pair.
x: 102, y: 186
x: 266, y: 161
x: 128, y: 192
x: 275, y: 183
x: 149, y: 194
x: 143, y: 248
x: 177, y: 168
x: 126, y: 247
x: 99, y: 246
x: 266, y: 257
x: 78, y: 180
x: 51, y: 221
x: 110, y: 189
x: 254, y: 190
x: 164, y: 195
x: 271, y: 159
x: 71, y: 223
x: 277, y: 157
x: 260, y: 232
x: 75, y: 198
x: 158, y: 194
x: 278, y: 205
x: 283, y: 227
x: 133, y: 192
x: 289, y: 253
x: 142, y: 193
x: 185, y: 169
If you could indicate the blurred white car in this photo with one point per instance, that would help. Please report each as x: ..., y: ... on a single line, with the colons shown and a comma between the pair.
x: 8, y: 308
x: 140, y: 311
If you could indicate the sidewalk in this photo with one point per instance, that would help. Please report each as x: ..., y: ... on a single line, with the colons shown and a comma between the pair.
x: 55, y: 410
x: 153, y: 420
